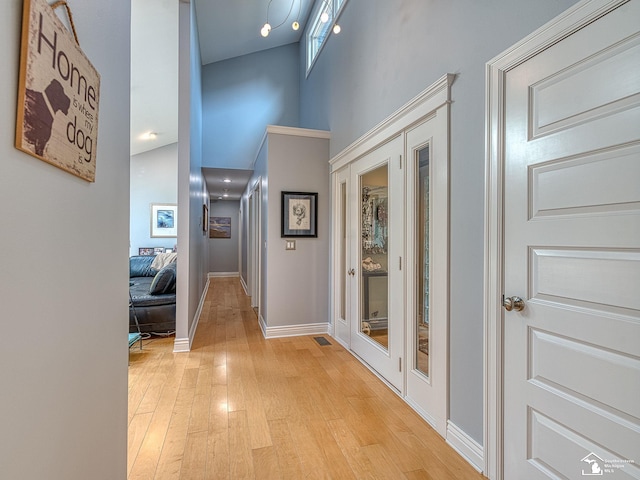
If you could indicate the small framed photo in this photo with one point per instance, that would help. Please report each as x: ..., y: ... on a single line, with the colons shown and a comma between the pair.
x: 164, y: 220
x: 205, y: 219
x: 146, y: 251
x: 299, y: 214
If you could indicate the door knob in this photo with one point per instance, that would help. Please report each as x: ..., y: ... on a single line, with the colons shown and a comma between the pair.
x: 352, y: 272
x: 513, y: 303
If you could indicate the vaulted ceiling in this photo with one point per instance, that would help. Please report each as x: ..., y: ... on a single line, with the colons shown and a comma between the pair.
x: 227, y: 29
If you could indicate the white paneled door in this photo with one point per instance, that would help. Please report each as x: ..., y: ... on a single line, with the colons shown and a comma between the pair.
x: 571, y: 265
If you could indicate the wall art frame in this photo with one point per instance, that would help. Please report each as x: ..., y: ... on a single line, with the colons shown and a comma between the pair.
x: 220, y: 227
x: 299, y: 214
x: 164, y: 220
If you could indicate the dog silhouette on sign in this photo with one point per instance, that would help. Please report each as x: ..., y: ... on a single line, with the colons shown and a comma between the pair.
x: 40, y: 109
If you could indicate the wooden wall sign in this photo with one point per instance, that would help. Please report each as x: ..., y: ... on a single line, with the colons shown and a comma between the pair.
x: 58, y: 95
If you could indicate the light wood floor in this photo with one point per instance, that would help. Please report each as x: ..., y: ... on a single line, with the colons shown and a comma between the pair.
x: 239, y: 406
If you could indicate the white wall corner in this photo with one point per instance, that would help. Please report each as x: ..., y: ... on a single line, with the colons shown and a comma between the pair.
x: 466, y: 446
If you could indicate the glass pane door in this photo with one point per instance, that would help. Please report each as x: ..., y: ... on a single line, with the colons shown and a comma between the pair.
x: 374, y: 238
x: 422, y: 255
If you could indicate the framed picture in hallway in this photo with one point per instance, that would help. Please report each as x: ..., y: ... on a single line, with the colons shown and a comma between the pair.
x: 220, y: 227
x: 164, y: 220
x: 299, y: 214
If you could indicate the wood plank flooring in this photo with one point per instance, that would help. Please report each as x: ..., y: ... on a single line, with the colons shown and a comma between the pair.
x: 242, y: 407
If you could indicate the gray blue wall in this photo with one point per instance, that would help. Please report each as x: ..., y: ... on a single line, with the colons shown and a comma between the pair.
x: 223, y: 252
x: 154, y: 179
x: 243, y: 95
x: 193, y: 248
x: 387, y: 53
x: 64, y: 272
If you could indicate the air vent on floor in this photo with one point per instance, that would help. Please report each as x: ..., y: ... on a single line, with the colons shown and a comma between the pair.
x: 322, y: 341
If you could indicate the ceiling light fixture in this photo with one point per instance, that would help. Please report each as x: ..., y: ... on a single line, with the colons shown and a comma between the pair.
x: 227, y: 180
x: 267, y: 28
x: 296, y: 25
x: 148, y: 136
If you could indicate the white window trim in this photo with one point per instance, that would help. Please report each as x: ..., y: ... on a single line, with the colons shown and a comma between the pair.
x: 315, y: 19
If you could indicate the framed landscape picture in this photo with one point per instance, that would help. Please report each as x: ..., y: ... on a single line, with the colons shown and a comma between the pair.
x: 220, y: 227
x: 299, y: 214
x: 164, y: 220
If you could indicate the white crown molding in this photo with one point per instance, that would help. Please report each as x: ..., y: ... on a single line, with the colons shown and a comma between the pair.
x: 412, y: 112
x: 298, y: 132
x: 292, y: 131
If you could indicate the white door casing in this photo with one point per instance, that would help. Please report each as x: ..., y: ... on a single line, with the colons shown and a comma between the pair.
x: 341, y: 292
x: 564, y: 234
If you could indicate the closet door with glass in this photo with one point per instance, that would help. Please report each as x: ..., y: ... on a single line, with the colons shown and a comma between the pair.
x: 375, y: 263
x: 427, y: 270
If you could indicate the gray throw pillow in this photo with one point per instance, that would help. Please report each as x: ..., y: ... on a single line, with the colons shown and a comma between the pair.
x: 164, y: 281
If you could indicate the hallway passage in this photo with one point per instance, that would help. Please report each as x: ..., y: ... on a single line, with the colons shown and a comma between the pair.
x: 242, y: 407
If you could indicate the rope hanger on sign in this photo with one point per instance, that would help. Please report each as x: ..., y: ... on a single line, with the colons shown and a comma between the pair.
x: 63, y: 3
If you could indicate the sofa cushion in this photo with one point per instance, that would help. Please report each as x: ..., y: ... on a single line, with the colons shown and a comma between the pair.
x: 140, y: 266
x: 164, y: 281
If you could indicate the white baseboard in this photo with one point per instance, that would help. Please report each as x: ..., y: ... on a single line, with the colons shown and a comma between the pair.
x: 293, y: 330
x: 222, y: 274
x: 244, y: 286
x: 181, y: 345
x: 466, y: 446
x: 263, y: 326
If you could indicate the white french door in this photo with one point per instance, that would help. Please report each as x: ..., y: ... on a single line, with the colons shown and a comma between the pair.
x: 390, y: 258
x: 427, y: 240
x: 375, y: 268
x: 571, y: 254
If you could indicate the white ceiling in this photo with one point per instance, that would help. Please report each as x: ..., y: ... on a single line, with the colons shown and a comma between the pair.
x: 154, y: 73
x: 227, y: 29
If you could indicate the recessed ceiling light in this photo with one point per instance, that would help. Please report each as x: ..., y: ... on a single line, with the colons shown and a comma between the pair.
x: 227, y: 180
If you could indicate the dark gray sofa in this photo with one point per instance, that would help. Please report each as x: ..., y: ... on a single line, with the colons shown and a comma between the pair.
x: 154, y: 295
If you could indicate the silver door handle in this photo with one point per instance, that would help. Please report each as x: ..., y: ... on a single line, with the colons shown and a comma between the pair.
x: 513, y: 303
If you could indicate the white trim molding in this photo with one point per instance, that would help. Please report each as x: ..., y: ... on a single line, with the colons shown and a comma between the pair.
x: 293, y: 131
x: 223, y: 274
x: 294, y: 330
x: 466, y: 446
x: 416, y: 110
x: 244, y: 286
x: 567, y: 23
x: 181, y: 345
